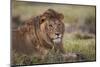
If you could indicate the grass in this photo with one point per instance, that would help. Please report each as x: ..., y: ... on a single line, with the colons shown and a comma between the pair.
x: 81, y: 46
x: 85, y: 47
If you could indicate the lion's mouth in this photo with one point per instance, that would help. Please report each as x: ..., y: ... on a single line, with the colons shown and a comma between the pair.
x: 57, y: 40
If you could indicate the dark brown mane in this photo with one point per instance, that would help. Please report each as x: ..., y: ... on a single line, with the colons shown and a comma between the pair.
x: 50, y: 13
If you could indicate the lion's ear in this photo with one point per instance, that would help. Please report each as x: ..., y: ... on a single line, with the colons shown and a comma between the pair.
x: 42, y: 19
x: 61, y: 16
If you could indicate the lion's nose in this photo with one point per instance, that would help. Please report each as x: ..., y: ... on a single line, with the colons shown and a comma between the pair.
x: 57, y: 34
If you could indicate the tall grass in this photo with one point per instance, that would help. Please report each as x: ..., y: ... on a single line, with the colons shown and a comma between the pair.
x: 85, y: 47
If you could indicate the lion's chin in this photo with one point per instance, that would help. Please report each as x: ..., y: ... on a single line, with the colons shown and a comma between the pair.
x: 57, y: 40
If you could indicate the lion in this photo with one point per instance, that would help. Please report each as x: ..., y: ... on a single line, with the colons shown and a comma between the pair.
x: 39, y: 35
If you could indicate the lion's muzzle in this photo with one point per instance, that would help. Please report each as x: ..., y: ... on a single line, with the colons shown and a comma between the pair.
x: 57, y: 38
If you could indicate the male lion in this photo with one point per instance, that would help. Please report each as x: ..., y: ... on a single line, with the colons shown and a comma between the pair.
x: 39, y: 35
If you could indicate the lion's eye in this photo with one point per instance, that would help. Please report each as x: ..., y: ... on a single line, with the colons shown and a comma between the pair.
x: 59, y: 24
x: 43, y: 20
x: 50, y: 25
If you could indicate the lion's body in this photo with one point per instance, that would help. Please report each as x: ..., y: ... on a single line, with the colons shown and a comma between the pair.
x: 36, y: 36
x: 26, y: 40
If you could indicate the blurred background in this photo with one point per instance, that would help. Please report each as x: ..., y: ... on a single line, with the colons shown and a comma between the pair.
x: 80, y: 24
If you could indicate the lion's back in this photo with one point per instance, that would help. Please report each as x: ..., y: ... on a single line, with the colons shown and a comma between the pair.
x: 20, y: 44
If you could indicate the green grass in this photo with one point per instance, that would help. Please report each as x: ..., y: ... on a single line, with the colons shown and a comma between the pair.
x: 85, y: 47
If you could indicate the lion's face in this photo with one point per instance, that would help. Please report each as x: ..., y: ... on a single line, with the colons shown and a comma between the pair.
x: 54, y: 28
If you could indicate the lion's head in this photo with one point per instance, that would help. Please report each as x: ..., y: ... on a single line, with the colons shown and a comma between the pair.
x: 52, y: 26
